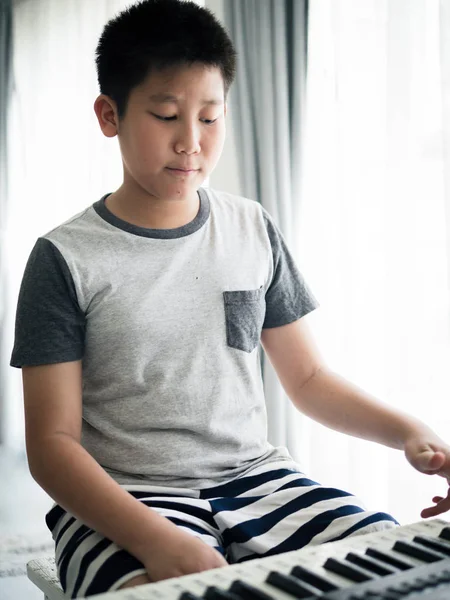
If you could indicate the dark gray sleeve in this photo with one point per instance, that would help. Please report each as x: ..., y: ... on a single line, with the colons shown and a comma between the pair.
x: 288, y: 298
x: 50, y: 325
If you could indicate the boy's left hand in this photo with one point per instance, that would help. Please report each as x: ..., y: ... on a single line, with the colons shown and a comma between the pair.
x: 430, y: 455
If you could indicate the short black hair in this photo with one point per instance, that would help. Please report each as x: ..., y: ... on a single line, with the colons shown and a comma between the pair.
x: 158, y: 34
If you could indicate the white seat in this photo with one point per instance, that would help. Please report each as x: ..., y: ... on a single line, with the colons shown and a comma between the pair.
x: 42, y: 572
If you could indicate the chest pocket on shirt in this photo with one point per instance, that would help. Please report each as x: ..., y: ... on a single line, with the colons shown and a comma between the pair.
x: 244, y: 315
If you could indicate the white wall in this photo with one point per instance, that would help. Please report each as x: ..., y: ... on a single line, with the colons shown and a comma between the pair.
x: 226, y: 175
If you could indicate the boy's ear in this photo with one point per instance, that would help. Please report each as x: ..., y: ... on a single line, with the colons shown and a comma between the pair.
x: 106, y: 111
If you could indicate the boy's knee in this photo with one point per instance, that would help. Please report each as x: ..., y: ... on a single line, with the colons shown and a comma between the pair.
x: 138, y: 580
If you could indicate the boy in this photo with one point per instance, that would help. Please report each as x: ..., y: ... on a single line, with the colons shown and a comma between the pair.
x: 138, y: 327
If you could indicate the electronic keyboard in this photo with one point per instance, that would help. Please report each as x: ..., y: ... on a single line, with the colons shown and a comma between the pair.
x: 411, y: 562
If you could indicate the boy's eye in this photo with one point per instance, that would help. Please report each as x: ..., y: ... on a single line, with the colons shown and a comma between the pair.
x: 172, y: 118
x: 161, y: 118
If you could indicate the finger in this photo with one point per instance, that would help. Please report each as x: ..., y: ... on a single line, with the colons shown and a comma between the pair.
x: 432, y: 511
x: 437, y: 499
x: 429, y: 461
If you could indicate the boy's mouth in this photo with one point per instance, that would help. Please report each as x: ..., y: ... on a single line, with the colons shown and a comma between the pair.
x: 180, y: 171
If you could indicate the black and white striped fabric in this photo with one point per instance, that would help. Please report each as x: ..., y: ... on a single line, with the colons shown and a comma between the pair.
x: 274, y: 509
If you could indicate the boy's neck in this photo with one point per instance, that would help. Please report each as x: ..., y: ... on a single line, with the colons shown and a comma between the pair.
x: 150, y: 212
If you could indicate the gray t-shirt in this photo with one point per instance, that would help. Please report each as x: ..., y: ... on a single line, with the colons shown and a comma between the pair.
x: 167, y: 323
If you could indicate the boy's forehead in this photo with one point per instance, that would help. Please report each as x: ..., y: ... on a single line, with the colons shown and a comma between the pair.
x: 173, y: 84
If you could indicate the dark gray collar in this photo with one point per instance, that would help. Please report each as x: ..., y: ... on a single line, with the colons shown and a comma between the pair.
x: 166, y: 234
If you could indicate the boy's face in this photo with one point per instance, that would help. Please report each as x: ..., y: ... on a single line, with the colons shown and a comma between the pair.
x: 173, y: 131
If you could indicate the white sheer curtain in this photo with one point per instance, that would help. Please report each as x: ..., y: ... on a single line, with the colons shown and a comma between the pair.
x: 373, y: 241
x: 59, y: 160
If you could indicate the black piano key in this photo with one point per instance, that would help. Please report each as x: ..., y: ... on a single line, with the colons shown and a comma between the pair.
x: 189, y: 596
x: 445, y: 534
x: 433, y: 543
x: 214, y: 593
x: 370, y: 564
x: 321, y: 583
x: 422, y: 554
x: 389, y: 558
x: 291, y: 585
x: 346, y: 570
x: 248, y: 592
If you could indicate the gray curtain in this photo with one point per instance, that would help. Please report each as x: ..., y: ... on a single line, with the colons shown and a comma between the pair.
x: 267, y: 106
x: 5, y: 97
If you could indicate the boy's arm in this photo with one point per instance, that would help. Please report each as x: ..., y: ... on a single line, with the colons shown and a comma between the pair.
x: 331, y: 400
x: 325, y: 396
x: 52, y: 396
x: 71, y: 476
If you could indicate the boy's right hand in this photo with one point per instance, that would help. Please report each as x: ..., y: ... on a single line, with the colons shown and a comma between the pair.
x: 180, y: 553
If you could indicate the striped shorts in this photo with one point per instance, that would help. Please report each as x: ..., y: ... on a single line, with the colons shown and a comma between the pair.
x: 273, y: 509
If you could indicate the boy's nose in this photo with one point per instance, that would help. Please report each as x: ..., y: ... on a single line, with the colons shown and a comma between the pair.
x: 188, y: 140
